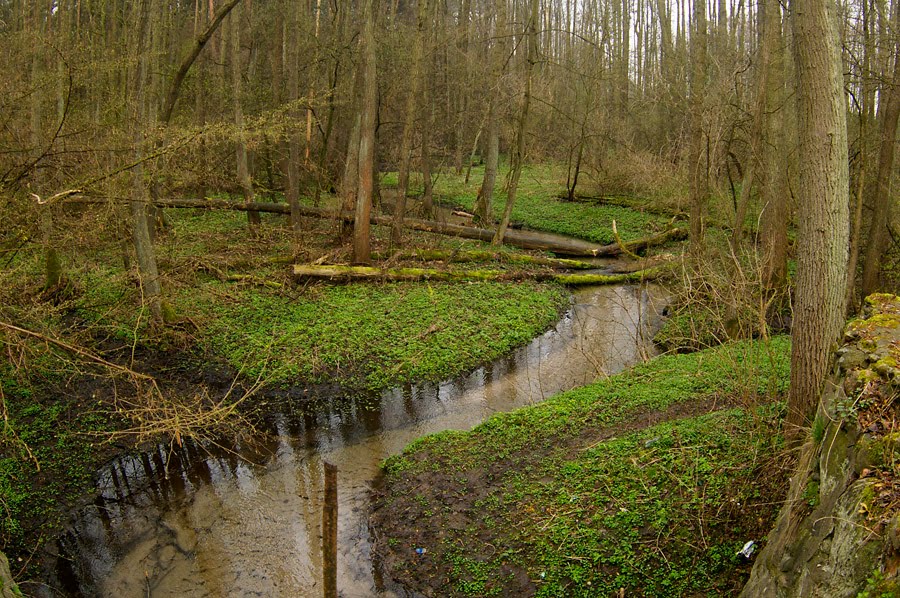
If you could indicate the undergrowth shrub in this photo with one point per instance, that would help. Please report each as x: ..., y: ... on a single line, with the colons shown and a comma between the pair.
x: 721, y: 296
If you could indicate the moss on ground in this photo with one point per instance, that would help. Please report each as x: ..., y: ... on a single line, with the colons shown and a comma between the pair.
x: 636, y: 482
x: 539, y: 207
x: 375, y: 336
x: 52, y: 442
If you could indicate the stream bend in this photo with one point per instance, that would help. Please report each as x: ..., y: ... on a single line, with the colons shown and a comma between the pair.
x: 218, y: 525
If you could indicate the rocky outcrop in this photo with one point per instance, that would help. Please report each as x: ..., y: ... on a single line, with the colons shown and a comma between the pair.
x: 838, y: 533
x: 8, y: 587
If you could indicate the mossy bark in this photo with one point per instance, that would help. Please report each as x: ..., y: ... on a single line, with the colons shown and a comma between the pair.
x: 339, y: 272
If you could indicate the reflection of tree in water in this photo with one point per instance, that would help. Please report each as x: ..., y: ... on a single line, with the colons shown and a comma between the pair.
x: 243, y: 514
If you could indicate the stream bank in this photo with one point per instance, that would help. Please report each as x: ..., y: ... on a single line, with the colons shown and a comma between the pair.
x: 62, y: 407
x: 247, y: 519
x: 650, y: 481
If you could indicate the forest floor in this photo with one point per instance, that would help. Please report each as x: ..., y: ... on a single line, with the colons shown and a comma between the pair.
x: 74, y: 388
x: 649, y: 482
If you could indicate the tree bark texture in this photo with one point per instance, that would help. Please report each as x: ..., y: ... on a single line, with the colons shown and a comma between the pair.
x: 143, y: 246
x: 822, y: 205
x: 366, y: 187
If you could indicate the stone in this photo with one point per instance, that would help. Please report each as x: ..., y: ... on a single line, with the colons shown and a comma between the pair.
x: 852, y: 359
x: 8, y: 587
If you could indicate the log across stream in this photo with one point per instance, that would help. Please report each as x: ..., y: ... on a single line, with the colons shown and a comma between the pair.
x: 248, y: 522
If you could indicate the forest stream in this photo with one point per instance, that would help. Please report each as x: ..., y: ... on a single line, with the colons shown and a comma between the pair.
x: 247, y: 522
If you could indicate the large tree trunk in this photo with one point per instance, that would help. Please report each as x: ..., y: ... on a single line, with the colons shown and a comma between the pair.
x: 484, y: 209
x: 881, y: 216
x: 137, y: 106
x: 823, y: 206
x: 364, y: 192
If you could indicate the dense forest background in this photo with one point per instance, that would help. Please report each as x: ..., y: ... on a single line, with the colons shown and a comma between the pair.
x: 679, y: 101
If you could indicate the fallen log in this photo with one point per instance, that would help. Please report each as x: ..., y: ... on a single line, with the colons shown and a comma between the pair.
x: 469, y: 256
x: 371, y: 273
x: 524, y: 239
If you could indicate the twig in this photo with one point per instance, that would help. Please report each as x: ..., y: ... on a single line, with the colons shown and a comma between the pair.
x: 79, y: 351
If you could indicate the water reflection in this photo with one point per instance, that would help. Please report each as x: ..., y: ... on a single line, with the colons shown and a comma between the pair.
x: 178, y: 521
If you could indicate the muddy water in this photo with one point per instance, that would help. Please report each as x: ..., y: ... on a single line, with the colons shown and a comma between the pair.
x: 247, y: 523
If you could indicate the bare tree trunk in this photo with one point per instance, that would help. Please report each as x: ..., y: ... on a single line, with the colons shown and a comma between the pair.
x: 484, y: 210
x: 137, y: 105
x: 518, y: 157
x: 761, y: 116
x: 881, y: 216
x: 350, y: 181
x: 321, y: 170
x: 52, y: 262
x: 427, y: 183
x: 696, y: 161
x: 361, y: 226
x: 823, y: 206
x: 309, y: 118
x: 293, y: 91
x: 188, y: 60
x: 412, y: 108
x: 865, y: 110
x: 243, y: 170
x: 775, y: 215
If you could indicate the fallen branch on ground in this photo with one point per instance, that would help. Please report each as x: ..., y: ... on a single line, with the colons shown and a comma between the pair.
x: 339, y: 272
x: 524, y: 239
x: 466, y: 256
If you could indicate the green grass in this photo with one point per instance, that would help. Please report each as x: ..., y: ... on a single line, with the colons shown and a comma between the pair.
x: 538, y: 206
x: 569, y: 494
x: 745, y: 369
x: 375, y: 336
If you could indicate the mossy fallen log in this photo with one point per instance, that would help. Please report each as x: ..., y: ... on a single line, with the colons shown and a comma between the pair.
x: 474, y: 256
x: 524, y: 239
x: 362, y: 273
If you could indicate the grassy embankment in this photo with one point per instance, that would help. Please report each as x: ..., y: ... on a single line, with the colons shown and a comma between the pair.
x: 236, y: 304
x: 649, y: 481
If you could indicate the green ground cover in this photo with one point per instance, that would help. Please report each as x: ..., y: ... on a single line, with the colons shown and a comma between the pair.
x: 539, y: 207
x: 51, y: 446
x: 639, y: 482
x: 375, y: 336
x: 235, y: 300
